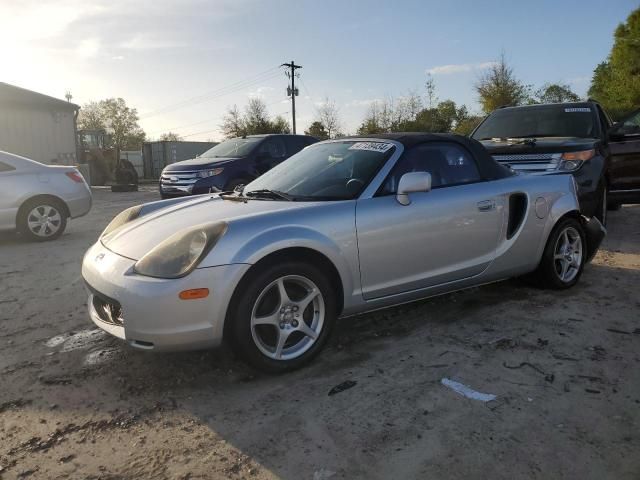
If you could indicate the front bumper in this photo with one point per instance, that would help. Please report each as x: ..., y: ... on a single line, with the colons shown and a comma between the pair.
x: 595, y: 233
x: 152, y: 315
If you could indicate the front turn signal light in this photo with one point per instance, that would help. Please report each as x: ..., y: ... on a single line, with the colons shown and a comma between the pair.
x: 582, y: 155
x: 194, y: 294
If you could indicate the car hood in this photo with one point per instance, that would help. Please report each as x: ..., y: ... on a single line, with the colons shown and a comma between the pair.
x: 199, y: 163
x: 136, y: 238
x: 542, y: 145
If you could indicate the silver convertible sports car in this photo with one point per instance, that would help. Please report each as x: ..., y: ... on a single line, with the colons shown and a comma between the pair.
x: 343, y: 227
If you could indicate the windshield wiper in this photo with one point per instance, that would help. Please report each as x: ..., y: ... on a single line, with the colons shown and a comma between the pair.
x: 526, y: 140
x: 265, y: 192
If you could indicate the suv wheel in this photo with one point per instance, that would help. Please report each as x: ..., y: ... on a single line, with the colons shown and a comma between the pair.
x: 283, y: 316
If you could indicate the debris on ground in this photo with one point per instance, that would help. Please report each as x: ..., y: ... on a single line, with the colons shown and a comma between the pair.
x: 466, y: 391
x: 342, y: 387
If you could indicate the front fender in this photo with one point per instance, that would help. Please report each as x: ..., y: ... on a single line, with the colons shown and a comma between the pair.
x: 292, y: 236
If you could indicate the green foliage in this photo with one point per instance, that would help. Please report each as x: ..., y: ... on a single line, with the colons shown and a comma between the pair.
x: 170, y: 137
x: 555, y: 93
x: 498, y: 86
x: 254, y: 121
x: 467, y: 125
x: 316, y: 129
x: 616, y: 81
x: 114, y: 116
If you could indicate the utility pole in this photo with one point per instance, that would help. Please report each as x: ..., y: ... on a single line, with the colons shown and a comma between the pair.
x: 292, y: 91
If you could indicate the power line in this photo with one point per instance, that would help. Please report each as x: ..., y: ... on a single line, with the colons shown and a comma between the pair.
x: 226, y: 90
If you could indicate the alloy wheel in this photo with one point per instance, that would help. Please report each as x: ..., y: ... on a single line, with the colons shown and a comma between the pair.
x: 44, y: 221
x: 567, y: 258
x: 288, y: 317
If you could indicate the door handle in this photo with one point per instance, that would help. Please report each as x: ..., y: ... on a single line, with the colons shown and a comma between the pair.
x: 486, y: 205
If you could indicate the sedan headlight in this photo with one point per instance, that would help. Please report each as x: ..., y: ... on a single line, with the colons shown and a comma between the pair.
x: 570, y: 161
x: 210, y: 173
x: 123, y: 217
x: 181, y: 253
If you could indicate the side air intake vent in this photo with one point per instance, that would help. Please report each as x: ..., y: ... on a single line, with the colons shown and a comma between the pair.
x: 517, y: 209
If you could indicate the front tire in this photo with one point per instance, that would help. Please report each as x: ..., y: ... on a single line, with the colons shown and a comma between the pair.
x: 282, y: 316
x: 42, y: 220
x: 564, y: 256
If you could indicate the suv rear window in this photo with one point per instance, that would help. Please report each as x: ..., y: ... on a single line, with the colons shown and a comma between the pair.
x: 565, y: 120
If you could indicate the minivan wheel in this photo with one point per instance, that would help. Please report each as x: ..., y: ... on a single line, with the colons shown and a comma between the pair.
x: 42, y: 220
x: 282, y: 317
x: 564, y: 256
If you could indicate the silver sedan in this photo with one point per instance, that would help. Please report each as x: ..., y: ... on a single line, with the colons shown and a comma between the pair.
x: 343, y: 227
x: 37, y: 199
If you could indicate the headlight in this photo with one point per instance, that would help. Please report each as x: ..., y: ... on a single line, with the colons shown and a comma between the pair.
x: 122, y: 218
x: 570, y: 161
x: 180, y: 254
x: 210, y: 173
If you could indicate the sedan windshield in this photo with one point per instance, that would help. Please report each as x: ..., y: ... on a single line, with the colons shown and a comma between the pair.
x: 234, y: 147
x: 324, y: 171
x: 538, y: 121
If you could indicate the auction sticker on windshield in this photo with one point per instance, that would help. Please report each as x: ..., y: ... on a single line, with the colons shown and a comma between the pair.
x: 371, y: 146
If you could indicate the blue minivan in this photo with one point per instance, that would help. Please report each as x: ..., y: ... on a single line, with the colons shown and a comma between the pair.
x: 231, y: 163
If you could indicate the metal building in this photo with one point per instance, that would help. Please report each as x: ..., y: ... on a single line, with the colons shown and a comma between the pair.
x: 159, y: 154
x: 37, y: 126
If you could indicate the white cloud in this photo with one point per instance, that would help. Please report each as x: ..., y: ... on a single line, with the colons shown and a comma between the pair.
x: 363, y: 102
x: 88, y: 48
x: 260, y: 92
x: 458, y: 68
x: 150, y: 42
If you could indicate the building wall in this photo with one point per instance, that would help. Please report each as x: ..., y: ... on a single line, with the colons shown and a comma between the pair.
x: 44, y: 134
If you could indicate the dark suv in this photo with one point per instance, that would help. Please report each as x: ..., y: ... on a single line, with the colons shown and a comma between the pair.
x: 576, y: 138
x: 231, y: 163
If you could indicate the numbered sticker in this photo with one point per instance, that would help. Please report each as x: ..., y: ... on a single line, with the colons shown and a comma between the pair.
x: 371, y: 146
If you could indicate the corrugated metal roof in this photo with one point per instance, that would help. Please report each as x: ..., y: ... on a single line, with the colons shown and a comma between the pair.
x: 10, y: 94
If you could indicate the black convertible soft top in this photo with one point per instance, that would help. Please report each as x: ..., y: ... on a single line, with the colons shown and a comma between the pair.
x: 488, y: 167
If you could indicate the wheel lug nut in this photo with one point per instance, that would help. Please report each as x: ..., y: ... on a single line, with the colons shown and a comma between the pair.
x: 282, y: 325
x: 295, y: 308
x: 294, y: 323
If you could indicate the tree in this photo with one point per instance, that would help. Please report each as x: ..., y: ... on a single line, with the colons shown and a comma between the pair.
x: 119, y: 120
x: 431, y: 91
x: 170, y: 137
x: 254, y: 121
x: 498, y: 86
x: 467, y: 125
x: 555, y: 93
x: 316, y: 129
x: 328, y: 117
x: 232, y: 123
x: 616, y: 81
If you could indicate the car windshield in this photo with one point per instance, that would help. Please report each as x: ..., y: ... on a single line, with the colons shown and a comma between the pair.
x: 538, y: 121
x: 234, y: 147
x: 325, y: 171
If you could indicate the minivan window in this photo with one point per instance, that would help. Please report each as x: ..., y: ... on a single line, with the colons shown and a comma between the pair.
x: 234, y: 147
x: 561, y: 120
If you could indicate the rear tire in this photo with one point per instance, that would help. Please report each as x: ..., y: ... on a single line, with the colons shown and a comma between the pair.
x: 41, y: 220
x: 564, y: 256
x: 277, y: 333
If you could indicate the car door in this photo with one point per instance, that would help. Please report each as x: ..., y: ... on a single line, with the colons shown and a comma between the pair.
x: 270, y: 153
x: 8, y: 195
x: 624, y: 147
x: 447, y: 234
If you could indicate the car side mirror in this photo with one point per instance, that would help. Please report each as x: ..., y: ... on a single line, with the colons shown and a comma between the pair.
x: 412, y: 182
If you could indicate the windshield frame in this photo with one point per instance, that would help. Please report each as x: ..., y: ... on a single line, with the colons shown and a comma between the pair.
x: 369, y: 190
x: 256, y: 143
x: 594, y: 119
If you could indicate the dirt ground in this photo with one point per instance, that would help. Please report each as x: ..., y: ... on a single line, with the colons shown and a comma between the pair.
x: 75, y: 403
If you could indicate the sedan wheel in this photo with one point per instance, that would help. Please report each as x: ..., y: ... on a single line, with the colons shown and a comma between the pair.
x: 41, y: 221
x: 568, y: 254
x: 288, y: 317
x: 281, y: 315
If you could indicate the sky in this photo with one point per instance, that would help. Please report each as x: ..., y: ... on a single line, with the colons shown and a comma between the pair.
x: 183, y: 63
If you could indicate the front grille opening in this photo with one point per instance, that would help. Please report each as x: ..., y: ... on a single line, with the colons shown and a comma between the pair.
x: 108, y: 311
